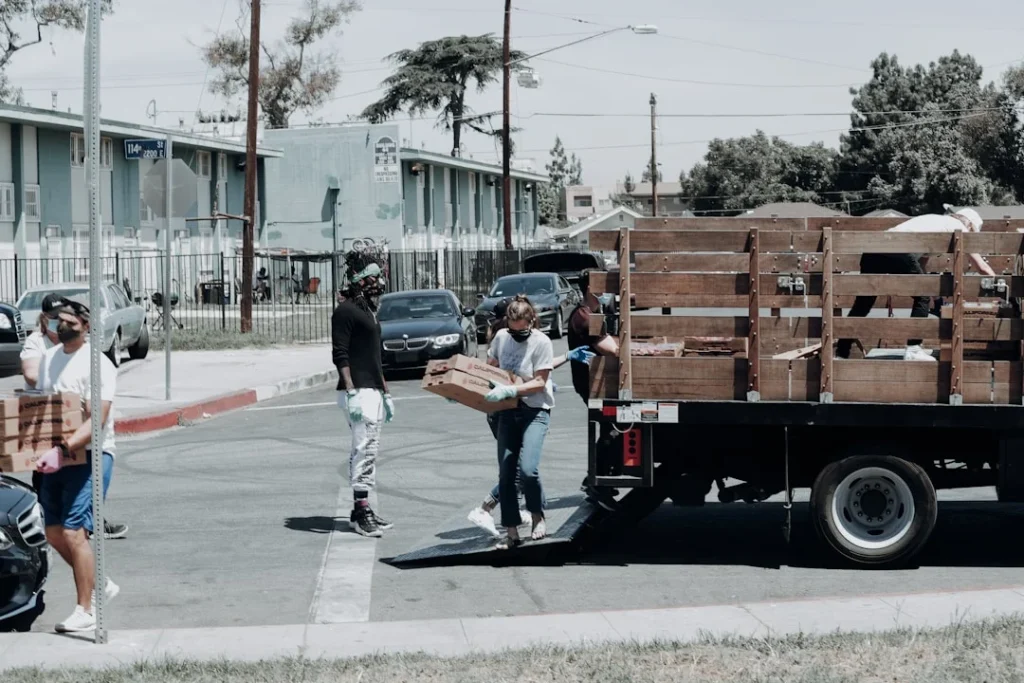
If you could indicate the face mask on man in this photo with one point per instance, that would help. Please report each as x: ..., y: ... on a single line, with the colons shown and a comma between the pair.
x: 66, y: 333
x: 52, y: 324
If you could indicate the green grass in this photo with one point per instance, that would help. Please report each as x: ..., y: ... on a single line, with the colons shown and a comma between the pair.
x: 985, y: 651
x: 221, y: 340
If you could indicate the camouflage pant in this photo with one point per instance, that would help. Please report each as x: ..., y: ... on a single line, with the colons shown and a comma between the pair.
x: 362, y: 459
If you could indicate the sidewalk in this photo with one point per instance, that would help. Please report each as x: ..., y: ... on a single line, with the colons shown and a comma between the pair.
x: 205, y: 383
x: 453, y: 637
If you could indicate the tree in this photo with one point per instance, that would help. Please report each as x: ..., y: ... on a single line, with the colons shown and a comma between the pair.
x: 646, y: 176
x: 944, y: 137
x: 436, y: 76
x: 744, y: 173
x: 21, y: 26
x: 575, y: 171
x: 293, y: 74
x: 563, y: 171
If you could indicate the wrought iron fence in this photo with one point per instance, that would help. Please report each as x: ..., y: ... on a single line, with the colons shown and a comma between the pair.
x: 293, y: 296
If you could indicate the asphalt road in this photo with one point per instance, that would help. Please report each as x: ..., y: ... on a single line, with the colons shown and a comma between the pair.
x: 230, y: 521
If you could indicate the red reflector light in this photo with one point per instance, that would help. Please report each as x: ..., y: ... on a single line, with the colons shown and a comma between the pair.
x: 631, y: 448
x: 608, y: 411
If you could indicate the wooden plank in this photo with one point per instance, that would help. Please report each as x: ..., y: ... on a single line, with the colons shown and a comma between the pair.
x: 974, y: 329
x: 625, y: 317
x: 802, y: 352
x: 882, y: 224
x: 689, y: 369
x: 700, y: 241
x: 956, y: 384
x: 720, y: 223
x: 875, y: 370
x: 892, y: 243
x: 605, y: 240
x: 754, y: 314
x: 827, y: 314
x: 919, y: 285
x: 794, y: 263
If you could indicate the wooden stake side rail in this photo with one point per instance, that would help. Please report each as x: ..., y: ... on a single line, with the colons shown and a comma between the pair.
x: 810, y: 267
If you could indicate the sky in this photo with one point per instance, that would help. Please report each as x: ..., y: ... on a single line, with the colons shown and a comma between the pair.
x: 721, y: 68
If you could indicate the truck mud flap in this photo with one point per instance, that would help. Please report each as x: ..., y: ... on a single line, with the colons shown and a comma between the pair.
x: 459, y: 542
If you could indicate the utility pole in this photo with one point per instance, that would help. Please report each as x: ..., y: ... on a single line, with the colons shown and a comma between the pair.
x: 506, y: 137
x: 249, y: 211
x: 654, y: 155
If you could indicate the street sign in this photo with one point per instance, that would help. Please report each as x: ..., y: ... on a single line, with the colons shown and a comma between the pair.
x: 145, y: 149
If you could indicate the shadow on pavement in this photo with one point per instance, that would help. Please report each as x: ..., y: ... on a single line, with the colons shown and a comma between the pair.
x: 317, y: 525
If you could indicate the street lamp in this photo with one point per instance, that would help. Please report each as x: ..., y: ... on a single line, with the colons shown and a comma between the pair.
x: 531, y: 80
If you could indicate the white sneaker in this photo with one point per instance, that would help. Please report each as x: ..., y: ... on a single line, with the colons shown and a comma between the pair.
x: 917, y: 353
x: 79, y: 621
x: 111, y: 592
x: 481, y: 518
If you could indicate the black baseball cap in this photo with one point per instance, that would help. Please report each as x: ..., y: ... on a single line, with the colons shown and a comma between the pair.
x: 50, y: 304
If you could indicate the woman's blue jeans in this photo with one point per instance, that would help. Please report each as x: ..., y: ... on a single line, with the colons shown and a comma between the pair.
x: 521, y: 433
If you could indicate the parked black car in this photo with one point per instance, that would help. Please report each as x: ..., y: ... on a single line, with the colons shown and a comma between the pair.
x: 24, y: 558
x: 12, y: 338
x: 424, y: 325
x: 550, y: 293
x: 568, y: 264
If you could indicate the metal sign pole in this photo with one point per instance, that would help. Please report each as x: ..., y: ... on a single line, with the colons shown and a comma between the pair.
x: 92, y: 130
x: 167, y: 268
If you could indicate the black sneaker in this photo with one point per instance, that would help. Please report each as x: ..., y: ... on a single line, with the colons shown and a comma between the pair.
x: 603, y: 497
x: 382, y: 524
x: 113, y: 531
x: 363, y: 522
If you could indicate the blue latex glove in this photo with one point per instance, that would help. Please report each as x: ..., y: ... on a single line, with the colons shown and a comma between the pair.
x: 582, y: 354
x: 501, y: 392
x: 554, y: 388
x: 355, y: 410
x: 389, y: 408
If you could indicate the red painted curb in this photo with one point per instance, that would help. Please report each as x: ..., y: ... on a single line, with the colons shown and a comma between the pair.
x: 165, y: 420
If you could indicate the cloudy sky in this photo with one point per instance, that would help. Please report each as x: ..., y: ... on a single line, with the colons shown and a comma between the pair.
x: 736, y: 64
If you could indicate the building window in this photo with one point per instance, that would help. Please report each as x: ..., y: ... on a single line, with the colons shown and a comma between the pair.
x: 583, y: 201
x: 77, y: 149
x: 222, y: 168
x: 203, y: 165
x: 6, y: 202
x: 33, y: 212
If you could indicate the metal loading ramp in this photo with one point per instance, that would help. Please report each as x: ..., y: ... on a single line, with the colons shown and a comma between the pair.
x: 459, y: 542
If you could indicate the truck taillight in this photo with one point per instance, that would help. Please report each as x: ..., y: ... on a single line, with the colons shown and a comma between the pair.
x: 631, y: 448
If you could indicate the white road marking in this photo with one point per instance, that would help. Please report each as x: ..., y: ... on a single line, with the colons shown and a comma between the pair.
x: 326, y: 403
x: 346, y: 575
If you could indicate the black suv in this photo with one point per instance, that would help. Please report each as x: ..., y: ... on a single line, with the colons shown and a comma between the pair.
x: 12, y: 338
x: 24, y: 556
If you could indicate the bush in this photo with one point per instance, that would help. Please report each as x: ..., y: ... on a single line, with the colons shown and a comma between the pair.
x: 214, y: 340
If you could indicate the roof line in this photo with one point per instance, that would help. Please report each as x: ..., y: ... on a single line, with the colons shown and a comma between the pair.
x: 412, y: 154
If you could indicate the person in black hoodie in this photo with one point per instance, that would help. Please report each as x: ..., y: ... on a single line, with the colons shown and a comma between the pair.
x: 362, y: 390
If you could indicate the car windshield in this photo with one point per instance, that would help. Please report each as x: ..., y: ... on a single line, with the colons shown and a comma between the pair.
x: 523, y: 284
x: 415, y: 307
x: 33, y: 301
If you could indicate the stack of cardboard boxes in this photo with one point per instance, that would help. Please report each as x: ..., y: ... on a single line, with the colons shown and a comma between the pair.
x: 32, y: 423
x: 467, y: 381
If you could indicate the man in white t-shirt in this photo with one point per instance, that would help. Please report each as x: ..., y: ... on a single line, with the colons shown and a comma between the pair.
x: 42, y: 339
x: 910, y: 264
x: 66, y: 494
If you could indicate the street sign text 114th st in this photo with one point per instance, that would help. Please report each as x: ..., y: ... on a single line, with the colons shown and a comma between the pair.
x: 145, y: 149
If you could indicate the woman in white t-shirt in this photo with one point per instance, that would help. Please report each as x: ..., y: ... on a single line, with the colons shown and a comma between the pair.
x: 525, y: 351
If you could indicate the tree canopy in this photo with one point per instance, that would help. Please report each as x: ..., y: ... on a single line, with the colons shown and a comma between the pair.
x: 21, y: 26
x: 294, y: 75
x: 436, y: 77
x: 563, y: 171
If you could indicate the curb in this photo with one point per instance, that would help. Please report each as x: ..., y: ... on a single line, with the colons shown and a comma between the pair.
x: 194, y: 412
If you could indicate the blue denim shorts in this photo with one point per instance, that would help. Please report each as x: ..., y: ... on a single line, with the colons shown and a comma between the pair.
x: 66, y: 495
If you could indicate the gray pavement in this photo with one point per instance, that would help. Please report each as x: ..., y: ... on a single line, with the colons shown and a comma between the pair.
x: 241, y: 521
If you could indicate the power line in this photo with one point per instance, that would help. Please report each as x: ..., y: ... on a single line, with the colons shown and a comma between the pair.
x: 601, y: 115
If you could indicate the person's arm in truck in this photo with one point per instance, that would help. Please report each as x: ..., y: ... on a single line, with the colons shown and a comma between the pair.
x: 982, y: 265
x: 341, y: 339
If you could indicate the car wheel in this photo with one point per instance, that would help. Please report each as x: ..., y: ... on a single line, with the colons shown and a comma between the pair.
x: 140, y: 349
x: 556, y: 326
x: 114, y: 352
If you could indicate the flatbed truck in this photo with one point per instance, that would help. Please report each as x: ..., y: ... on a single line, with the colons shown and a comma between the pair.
x: 739, y: 385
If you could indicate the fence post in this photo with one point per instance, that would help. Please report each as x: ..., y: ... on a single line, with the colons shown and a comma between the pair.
x: 223, y: 295
x: 17, y: 283
x: 117, y: 268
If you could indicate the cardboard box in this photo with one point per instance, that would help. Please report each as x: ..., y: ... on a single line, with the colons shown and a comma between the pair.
x: 473, y: 367
x: 466, y: 389
x: 25, y: 460
x: 31, y: 423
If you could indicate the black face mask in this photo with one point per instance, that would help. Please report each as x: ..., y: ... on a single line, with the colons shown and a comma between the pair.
x: 520, y: 335
x: 65, y: 333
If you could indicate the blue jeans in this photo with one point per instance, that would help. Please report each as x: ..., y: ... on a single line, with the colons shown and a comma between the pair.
x: 66, y: 495
x: 521, y: 433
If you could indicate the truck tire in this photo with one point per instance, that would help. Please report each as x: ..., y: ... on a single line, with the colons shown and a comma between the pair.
x: 874, y: 510
x: 140, y: 349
